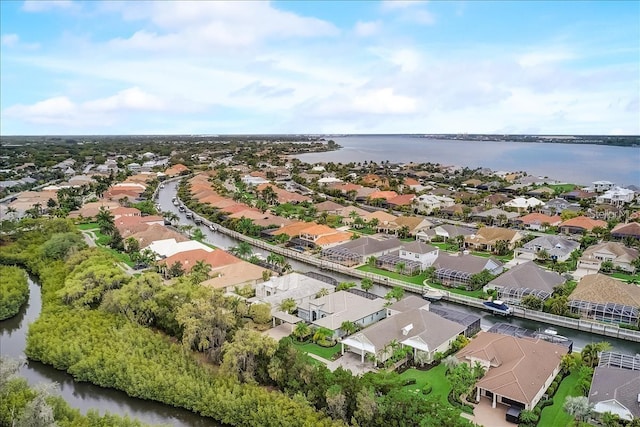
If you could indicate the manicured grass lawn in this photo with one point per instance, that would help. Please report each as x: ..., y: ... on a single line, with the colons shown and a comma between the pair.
x: 475, y: 294
x: 441, y: 387
x: 563, y: 187
x: 416, y: 280
x: 88, y: 226
x: 554, y: 415
x: 365, y: 230
x: 449, y: 247
x: 122, y: 257
x: 324, y: 352
x: 626, y: 277
x: 503, y: 258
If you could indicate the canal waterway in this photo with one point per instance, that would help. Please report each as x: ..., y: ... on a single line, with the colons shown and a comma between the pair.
x: 487, y: 320
x: 84, y: 396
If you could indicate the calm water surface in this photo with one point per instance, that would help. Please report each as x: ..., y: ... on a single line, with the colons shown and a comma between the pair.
x: 574, y: 163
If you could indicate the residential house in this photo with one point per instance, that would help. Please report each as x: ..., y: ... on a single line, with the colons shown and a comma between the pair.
x: 458, y: 270
x: 175, y: 170
x: 427, y: 203
x: 324, y: 236
x: 358, y: 251
x: 615, y: 386
x: 383, y: 219
x: 411, y: 224
x: 445, y: 231
x: 537, y: 221
x: 401, y: 201
x: 330, y: 311
x: 187, y: 259
x: 329, y: 207
x: 616, y: 196
x: 284, y: 196
x: 121, y: 211
x: 606, y: 299
x: 630, y: 230
x: 297, y: 286
x: 488, y: 238
x: 31, y: 199
x: 410, y: 302
x: 146, y: 234
x: 518, y: 370
x: 91, y: 209
x: 495, y: 199
x: 544, y: 192
x: 580, y: 224
x: 495, y: 216
x: 381, y: 198
x: 254, y: 181
x: 557, y: 206
x: 425, y: 332
x: 418, y: 251
x: 554, y: 246
x: 168, y: 247
x: 578, y: 195
x: 234, y: 275
x: 602, y: 186
x: 523, y: 280
x: 621, y: 256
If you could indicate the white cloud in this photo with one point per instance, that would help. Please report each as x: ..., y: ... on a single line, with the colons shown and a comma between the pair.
x: 201, y: 25
x: 45, y: 5
x: 367, y: 28
x: 384, y: 101
x: 128, y: 99
x: 10, y: 40
x: 401, y: 4
x: 543, y: 57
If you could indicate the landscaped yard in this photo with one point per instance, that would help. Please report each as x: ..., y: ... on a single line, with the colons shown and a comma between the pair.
x: 440, y: 385
x: 503, y: 258
x: 88, y: 226
x: 475, y: 294
x: 324, y: 352
x: 627, y: 277
x: 554, y: 415
x: 416, y: 280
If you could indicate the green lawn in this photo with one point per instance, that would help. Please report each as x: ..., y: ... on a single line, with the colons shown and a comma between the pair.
x: 449, y: 247
x: 324, y: 352
x: 364, y: 230
x: 88, y: 226
x: 503, y: 258
x: 563, y: 187
x: 554, y: 415
x: 626, y: 277
x: 475, y: 294
x: 416, y: 280
x: 441, y: 387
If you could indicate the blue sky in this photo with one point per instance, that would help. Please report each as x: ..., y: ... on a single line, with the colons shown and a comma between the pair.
x: 70, y: 67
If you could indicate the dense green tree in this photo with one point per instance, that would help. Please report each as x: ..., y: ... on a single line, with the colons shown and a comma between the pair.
x: 239, y: 356
x: 366, y: 284
x: 14, y: 291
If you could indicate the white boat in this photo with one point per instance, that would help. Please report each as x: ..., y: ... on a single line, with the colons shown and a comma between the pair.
x: 433, y: 294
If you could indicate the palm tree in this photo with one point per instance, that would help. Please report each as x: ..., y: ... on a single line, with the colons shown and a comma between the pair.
x: 288, y: 305
x: 171, y: 217
x: 243, y: 250
x: 366, y: 284
x: 578, y: 407
x: 348, y: 327
x: 321, y: 336
x: 302, y: 331
x: 450, y: 362
x: 400, y: 267
x: 343, y: 286
x: 403, y: 232
x: 322, y: 293
x: 200, y: 271
x: 198, y: 235
x: 591, y: 353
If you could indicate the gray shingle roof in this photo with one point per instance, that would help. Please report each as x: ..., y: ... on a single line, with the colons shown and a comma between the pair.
x: 529, y: 275
x: 468, y: 263
x: 623, y: 385
x: 367, y: 245
x: 418, y: 247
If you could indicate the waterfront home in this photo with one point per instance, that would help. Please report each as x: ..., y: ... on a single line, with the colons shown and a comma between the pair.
x: 297, y: 286
x: 187, y: 259
x: 418, y: 251
x: 424, y: 332
x: 615, y: 386
x: 487, y: 238
x: 547, y: 246
x: 606, y: 299
x: 523, y: 280
x: 175, y: 170
x: 168, y: 247
x: 358, y: 251
x: 146, y: 234
x: 323, y: 236
x: 133, y: 224
x: 518, y: 370
x: 331, y: 311
x: 621, y: 256
x: 537, y: 221
x: 235, y: 275
x: 458, y: 269
x: 580, y: 224
x: 410, y: 302
x: 622, y: 231
x: 446, y: 232
x: 283, y: 196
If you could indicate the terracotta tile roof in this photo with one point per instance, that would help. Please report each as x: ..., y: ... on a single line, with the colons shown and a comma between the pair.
x: 236, y: 274
x: 538, y: 218
x: 402, y: 200
x: 411, y: 181
x: 176, y: 170
x: 383, y: 195
x: 284, y: 196
x: 584, y: 223
x: 293, y: 229
x: 240, y: 207
x: 631, y: 229
x: 328, y: 205
x: 519, y: 367
x: 150, y: 233
x: 345, y: 187
x: 381, y: 216
x: 348, y: 209
x: 122, y: 211
x: 339, y: 237
x: 603, y: 289
x: 318, y: 230
x: 215, y: 258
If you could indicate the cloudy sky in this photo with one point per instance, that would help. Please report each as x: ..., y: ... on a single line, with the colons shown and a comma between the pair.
x: 148, y: 67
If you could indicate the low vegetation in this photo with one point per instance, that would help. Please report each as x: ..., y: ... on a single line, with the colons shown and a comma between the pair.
x: 14, y: 291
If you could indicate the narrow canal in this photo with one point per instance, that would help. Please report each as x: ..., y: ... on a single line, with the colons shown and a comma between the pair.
x: 580, y: 339
x: 84, y: 396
